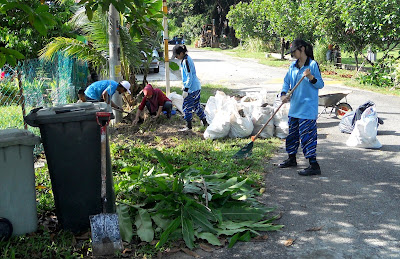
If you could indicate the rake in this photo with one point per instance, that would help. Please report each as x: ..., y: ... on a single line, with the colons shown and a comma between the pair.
x: 247, y: 150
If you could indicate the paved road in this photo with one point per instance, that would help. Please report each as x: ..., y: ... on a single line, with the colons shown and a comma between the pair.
x: 353, y: 207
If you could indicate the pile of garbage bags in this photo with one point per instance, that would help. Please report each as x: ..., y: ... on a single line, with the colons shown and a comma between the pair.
x: 362, y: 125
x: 239, y: 118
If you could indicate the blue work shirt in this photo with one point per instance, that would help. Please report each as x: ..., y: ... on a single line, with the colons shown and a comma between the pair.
x: 96, y: 89
x: 304, y: 100
x: 189, y: 76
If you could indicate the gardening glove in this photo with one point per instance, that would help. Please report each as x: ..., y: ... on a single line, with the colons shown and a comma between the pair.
x: 185, y: 94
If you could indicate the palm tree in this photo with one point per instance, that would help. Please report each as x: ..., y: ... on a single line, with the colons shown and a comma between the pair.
x: 94, y: 50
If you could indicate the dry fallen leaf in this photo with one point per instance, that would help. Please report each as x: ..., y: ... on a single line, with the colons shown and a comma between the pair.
x: 261, y: 238
x: 206, y: 247
x: 223, y: 241
x: 172, y: 250
x: 315, y: 229
x: 190, y: 252
x: 127, y: 250
x: 289, y: 242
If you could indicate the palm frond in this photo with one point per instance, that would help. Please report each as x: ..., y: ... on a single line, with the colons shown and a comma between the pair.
x: 72, y: 47
x: 129, y: 48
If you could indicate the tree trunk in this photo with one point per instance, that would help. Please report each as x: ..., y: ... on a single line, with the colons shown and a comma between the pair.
x: 282, y: 48
x: 356, y: 58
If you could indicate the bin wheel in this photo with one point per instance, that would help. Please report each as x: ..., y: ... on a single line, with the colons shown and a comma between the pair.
x: 341, y: 109
x: 6, y: 229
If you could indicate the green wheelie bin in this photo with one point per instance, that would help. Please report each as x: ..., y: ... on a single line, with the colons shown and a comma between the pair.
x: 17, y: 181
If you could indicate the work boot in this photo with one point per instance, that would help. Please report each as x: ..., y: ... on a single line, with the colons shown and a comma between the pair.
x: 205, y: 123
x: 312, y: 169
x: 188, y: 126
x: 290, y: 162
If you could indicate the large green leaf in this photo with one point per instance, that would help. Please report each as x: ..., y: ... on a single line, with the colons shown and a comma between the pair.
x: 230, y: 232
x: 160, y: 221
x: 192, y: 188
x: 246, y: 237
x: 214, y: 176
x: 173, y: 66
x: 200, y: 219
x: 171, y: 227
x: 11, y: 60
x: 233, y: 240
x: 161, y: 158
x: 12, y: 52
x: 211, y: 238
x: 2, y: 59
x: 228, y: 183
x: 40, y: 27
x: 188, y: 232
x: 233, y: 187
x: 125, y: 222
x: 241, y: 213
x: 144, y: 226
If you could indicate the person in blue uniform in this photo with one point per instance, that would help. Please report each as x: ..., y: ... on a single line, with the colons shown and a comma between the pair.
x: 303, y: 110
x: 102, y: 91
x: 191, y: 87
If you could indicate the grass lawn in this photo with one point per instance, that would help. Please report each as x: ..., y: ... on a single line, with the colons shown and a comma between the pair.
x: 134, y: 164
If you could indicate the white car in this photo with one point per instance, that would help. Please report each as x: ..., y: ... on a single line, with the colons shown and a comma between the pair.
x: 155, y: 62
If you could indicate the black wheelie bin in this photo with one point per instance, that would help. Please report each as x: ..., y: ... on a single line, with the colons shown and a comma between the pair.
x: 71, y: 140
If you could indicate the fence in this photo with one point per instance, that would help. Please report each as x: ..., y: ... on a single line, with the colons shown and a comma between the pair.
x: 38, y: 83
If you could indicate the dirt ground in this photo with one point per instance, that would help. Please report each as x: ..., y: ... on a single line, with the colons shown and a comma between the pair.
x: 162, y: 128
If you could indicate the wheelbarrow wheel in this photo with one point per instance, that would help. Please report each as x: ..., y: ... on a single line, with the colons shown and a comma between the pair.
x: 341, y: 109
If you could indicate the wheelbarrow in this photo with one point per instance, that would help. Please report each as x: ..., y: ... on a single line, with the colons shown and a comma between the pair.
x: 334, y: 101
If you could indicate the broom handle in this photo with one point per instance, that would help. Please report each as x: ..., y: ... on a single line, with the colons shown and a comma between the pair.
x: 275, y: 112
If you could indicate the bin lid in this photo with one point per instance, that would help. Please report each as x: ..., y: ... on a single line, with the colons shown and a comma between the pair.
x: 13, y: 137
x: 66, y: 113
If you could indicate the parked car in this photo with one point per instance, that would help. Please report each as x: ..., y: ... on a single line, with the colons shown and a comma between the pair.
x: 154, y: 63
x: 176, y: 40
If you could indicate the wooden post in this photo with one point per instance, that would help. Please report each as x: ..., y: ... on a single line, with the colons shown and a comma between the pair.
x: 22, y: 99
x: 166, y: 57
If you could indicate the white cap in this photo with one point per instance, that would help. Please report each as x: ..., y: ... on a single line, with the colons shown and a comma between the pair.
x: 126, y: 85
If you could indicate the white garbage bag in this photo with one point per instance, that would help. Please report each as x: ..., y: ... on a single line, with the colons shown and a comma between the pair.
x: 219, y: 127
x: 281, y: 119
x: 241, y: 125
x: 259, y: 117
x: 214, y: 104
x: 365, y: 130
x: 177, y: 101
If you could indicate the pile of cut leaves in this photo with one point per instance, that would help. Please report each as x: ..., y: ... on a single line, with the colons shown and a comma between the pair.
x: 161, y: 206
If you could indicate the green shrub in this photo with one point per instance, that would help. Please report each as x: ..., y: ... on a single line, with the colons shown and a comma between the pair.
x: 191, y: 27
x: 320, y: 49
x: 383, y: 74
x: 396, y: 74
x: 255, y: 45
x: 9, y: 88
